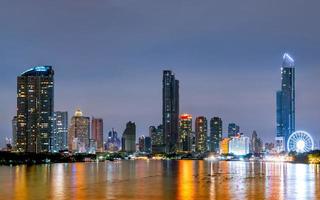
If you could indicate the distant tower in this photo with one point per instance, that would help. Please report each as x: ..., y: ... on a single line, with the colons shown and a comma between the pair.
x: 97, y: 132
x: 129, y: 138
x: 35, y: 100
x: 79, y: 132
x: 60, y: 131
x: 170, y: 110
x: 201, y: 129
x: 215, y: 134
x: 286, y: 103
x: 233, y: 130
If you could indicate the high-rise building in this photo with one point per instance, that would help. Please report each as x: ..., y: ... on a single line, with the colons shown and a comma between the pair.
x: 79, y: 133
x: 35, y: 106
x: 233, y: 130
x: 113, y: 142
x: 141, y: 143
x: 224, y: 145
x: 157, y: 140
x: 185, y: 130
x: 256, y: 143
x: 14, y: 132
x: 170, y: 110
x: 60, y: 131
x: 201, y: 129
x: 129, y: 138
x: 239, y: 145
x: 147, y: 145
x: 215, y: 134
x: 286, y: 103
x: 97, y: 132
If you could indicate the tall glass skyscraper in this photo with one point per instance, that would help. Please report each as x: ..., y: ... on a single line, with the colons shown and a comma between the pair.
x: 286, y: 103
x: 60, y: 131
x: 185, y: 131
x: 170, y: 111
x: 129, y: 138
x: 215, y: 134
x: 233, y: 130
x: 35, y: 106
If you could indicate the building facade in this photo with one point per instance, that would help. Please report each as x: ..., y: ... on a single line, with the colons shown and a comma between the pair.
x: 129, y: 138
x: 285, y: 100
x: 185, y: 131
x: 215, y: 134
x: 233, y: 130
x: 35, y: 106
x: 79, y: 133
x: 224, y: 145
x: 239, y: 145
x: 60, y: 131
x: 113, y: 142
x: 97, y: 133
x: 170, y: 111
x: 14, y: 132
x: 201, y: 130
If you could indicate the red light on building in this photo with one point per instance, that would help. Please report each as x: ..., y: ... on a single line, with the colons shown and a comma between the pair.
x: 185, y: 116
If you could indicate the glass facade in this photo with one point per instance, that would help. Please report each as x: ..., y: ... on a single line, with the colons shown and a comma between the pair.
x: 201, y: 129
x: 215, y: 134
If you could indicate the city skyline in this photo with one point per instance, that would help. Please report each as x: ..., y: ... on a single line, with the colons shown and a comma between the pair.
x: 211, y: 84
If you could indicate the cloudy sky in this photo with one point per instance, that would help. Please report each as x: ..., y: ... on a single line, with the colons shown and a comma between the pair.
x: 108, y: 58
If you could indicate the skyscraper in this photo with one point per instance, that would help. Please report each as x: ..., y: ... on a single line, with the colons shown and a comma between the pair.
x: 141, y: 143
x: 215, y: 134
x: 129, y: 138
x: 113, y: 142
x: 185, y: 130
x: 286, y: 103
x: 35, y: 105
x: 97, y: 132
x: 157, y: 141
x: 14, y: 132
x: 60, y: 131
x: 170, y: 110
x: 233, y: 130
x: 256, y: 143
x: 201, y: 129
x: 79, y: 132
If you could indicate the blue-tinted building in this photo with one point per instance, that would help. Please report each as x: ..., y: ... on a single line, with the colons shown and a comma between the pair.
x: 285, y: 100
x: 35, y: 106
x: 60, y: 131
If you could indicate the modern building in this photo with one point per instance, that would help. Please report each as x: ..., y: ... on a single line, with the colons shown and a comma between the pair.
x: 215, y: 134
x: 129, y: 138
x: 239, y: 145
x: 157, y: 140
x: 224, y: 145
x: 201, y: 129
x: 170, y: 111
x: 233, y: 130
x: 14, y: 132
x: 285, y: 103
x: 79, y: 133
x: 141, y: 143
x: 185, y: 131
x: 113, y: 142
x: 60, y: 131
x: 35, y: 107
x: 97, y: 132
x: 256, y: 144
x: 147, y: 145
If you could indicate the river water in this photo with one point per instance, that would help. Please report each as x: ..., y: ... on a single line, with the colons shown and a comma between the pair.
x: 153, y: 180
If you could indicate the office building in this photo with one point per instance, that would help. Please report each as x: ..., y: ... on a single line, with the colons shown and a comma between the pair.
x: 224, y: 145
x: 113, y: 142
x: 60, y: 131
x: 233, y: 130
x: 185, y: 130
x: 170, y: 111
x: 239, y: 145
x: 285, y: 101
x: 215, y: 134
x: 97, y: 132
x: 35, y: 106
x: 201, y: 134
x: 79, y: 133
x: 14, y: 132
x: 129, y: 138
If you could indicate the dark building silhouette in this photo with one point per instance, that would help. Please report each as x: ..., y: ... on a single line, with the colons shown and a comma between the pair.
x: 286, y: 103
x: 14, y: 132
x: 215, y: 134
x: 170, y: 111
x: 129, y: 138
x: 35, y: 106
x: 233, y: 130
x: 97, y: 132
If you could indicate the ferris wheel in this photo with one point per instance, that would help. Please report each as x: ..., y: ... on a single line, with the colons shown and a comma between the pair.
x: 300, y: 141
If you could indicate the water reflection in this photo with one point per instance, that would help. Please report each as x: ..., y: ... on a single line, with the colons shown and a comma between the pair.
x: 161, y: 180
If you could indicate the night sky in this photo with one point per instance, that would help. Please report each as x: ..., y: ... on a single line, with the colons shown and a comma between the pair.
x: 108, y: 58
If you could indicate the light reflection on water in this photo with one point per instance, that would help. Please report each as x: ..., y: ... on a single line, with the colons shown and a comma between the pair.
x: 161, y: 180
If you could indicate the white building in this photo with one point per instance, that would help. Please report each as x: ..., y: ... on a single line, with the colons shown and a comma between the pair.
x: 239, y: 145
